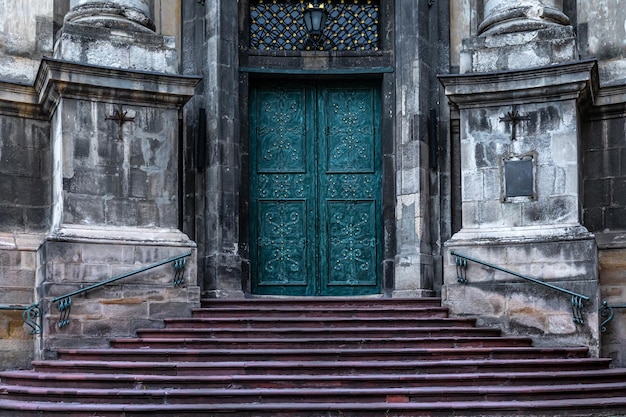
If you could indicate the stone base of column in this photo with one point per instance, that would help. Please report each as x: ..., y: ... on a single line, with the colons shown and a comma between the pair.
x: 414, y: 275
x: 75, y: 257
x: 222, y: 276
x: 519, y: 50
x: 108, y: 47
x: 561, y: 256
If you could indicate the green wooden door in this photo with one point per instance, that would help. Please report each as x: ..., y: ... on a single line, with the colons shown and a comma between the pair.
x: 315, y: 196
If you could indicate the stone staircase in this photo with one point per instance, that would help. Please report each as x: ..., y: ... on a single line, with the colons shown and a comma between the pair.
x: 317, y: 357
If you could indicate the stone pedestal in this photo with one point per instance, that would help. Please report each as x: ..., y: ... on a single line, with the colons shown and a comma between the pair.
x: 521, y: 202
x: 115, y: 192
x: 518, y: 34
x: 118, y: 34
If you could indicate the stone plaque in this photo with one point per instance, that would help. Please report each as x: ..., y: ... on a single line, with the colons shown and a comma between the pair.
x: 519, y: 178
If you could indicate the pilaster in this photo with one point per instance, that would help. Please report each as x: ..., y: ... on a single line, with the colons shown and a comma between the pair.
x: 115, y: 182
x: 521, y: 202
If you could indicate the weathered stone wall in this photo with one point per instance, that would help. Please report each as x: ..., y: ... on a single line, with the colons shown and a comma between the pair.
x: 121, y: 307
x: 601, y: 33
x: 120, y: 178
x: 613, y: 291
x: 25, y: 205
x: 604, y: 207
x: 531, y: 115
x: 604, y: 174
x: 549, y: 137
x: 25, y: 36
x: 25, y: 176
x: 416, y: 31
x: 524, y: 308
x: 18, y: 271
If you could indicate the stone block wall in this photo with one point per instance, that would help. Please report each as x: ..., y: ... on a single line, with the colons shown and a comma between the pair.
x: 25, y: 36
x: 521, y: 307
x: 120, y: 178
x: 18, y: 270
x: 549, y: 138
x: 25, y: 206
x: 25, y: 174
x: 604, y: 174
x: 604, y: 209
x: 119, y: 308
x: 613, y: 291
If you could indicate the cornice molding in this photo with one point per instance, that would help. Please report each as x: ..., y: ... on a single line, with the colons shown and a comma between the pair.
x: 57, y: 78
x: 575, y: 80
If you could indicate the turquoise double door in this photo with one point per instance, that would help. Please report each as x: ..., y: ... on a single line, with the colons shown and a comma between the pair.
x: 315, y: 196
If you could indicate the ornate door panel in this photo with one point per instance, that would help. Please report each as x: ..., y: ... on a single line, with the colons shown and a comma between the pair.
x: 315, y: 190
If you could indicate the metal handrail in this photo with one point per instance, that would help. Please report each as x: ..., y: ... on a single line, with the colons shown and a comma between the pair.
x: 577, y: 299
x: 607, y: 311
x: 65, y: 300
x: 30, y: 314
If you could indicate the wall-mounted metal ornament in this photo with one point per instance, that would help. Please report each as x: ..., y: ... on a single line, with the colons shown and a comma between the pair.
x: 514, y: 118
x: 120, y: 117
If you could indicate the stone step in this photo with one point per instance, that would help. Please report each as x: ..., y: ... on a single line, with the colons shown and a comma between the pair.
x: 317, y: 357
x: 597, y: 407
x: 262, y: 322
x: 321, y: 367
x: 313, y: 343
x: 210, y: 397
x: 295, y: 332
x: 242, y: 381
x: 333, y: 311
x: 373, y: 304
x: 304, y: 355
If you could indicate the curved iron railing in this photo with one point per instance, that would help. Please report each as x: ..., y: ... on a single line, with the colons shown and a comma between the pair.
x: 577, y: 299
x: 30, y: 315
x: 65, y: 300
x: 606, y: 311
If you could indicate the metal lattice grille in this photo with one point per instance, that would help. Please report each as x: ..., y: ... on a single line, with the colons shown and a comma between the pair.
x: 352, y: 25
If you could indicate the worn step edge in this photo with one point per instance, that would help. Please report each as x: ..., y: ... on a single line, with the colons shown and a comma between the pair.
x: 325, y: 322
x: 434, y: 352
x: 212, y: 396
x: 239, y: 343
x: 467, y: 379
x: 333, y: 365
x: 595, y: 404
x: 322, y: 302
x: 296, y: 309
x: 401, y: 330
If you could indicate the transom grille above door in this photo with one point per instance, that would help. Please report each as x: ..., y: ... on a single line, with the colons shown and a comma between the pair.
x: 352, y: 25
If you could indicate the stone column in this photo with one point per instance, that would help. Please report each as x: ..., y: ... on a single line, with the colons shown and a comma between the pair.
x: 506, y: 16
